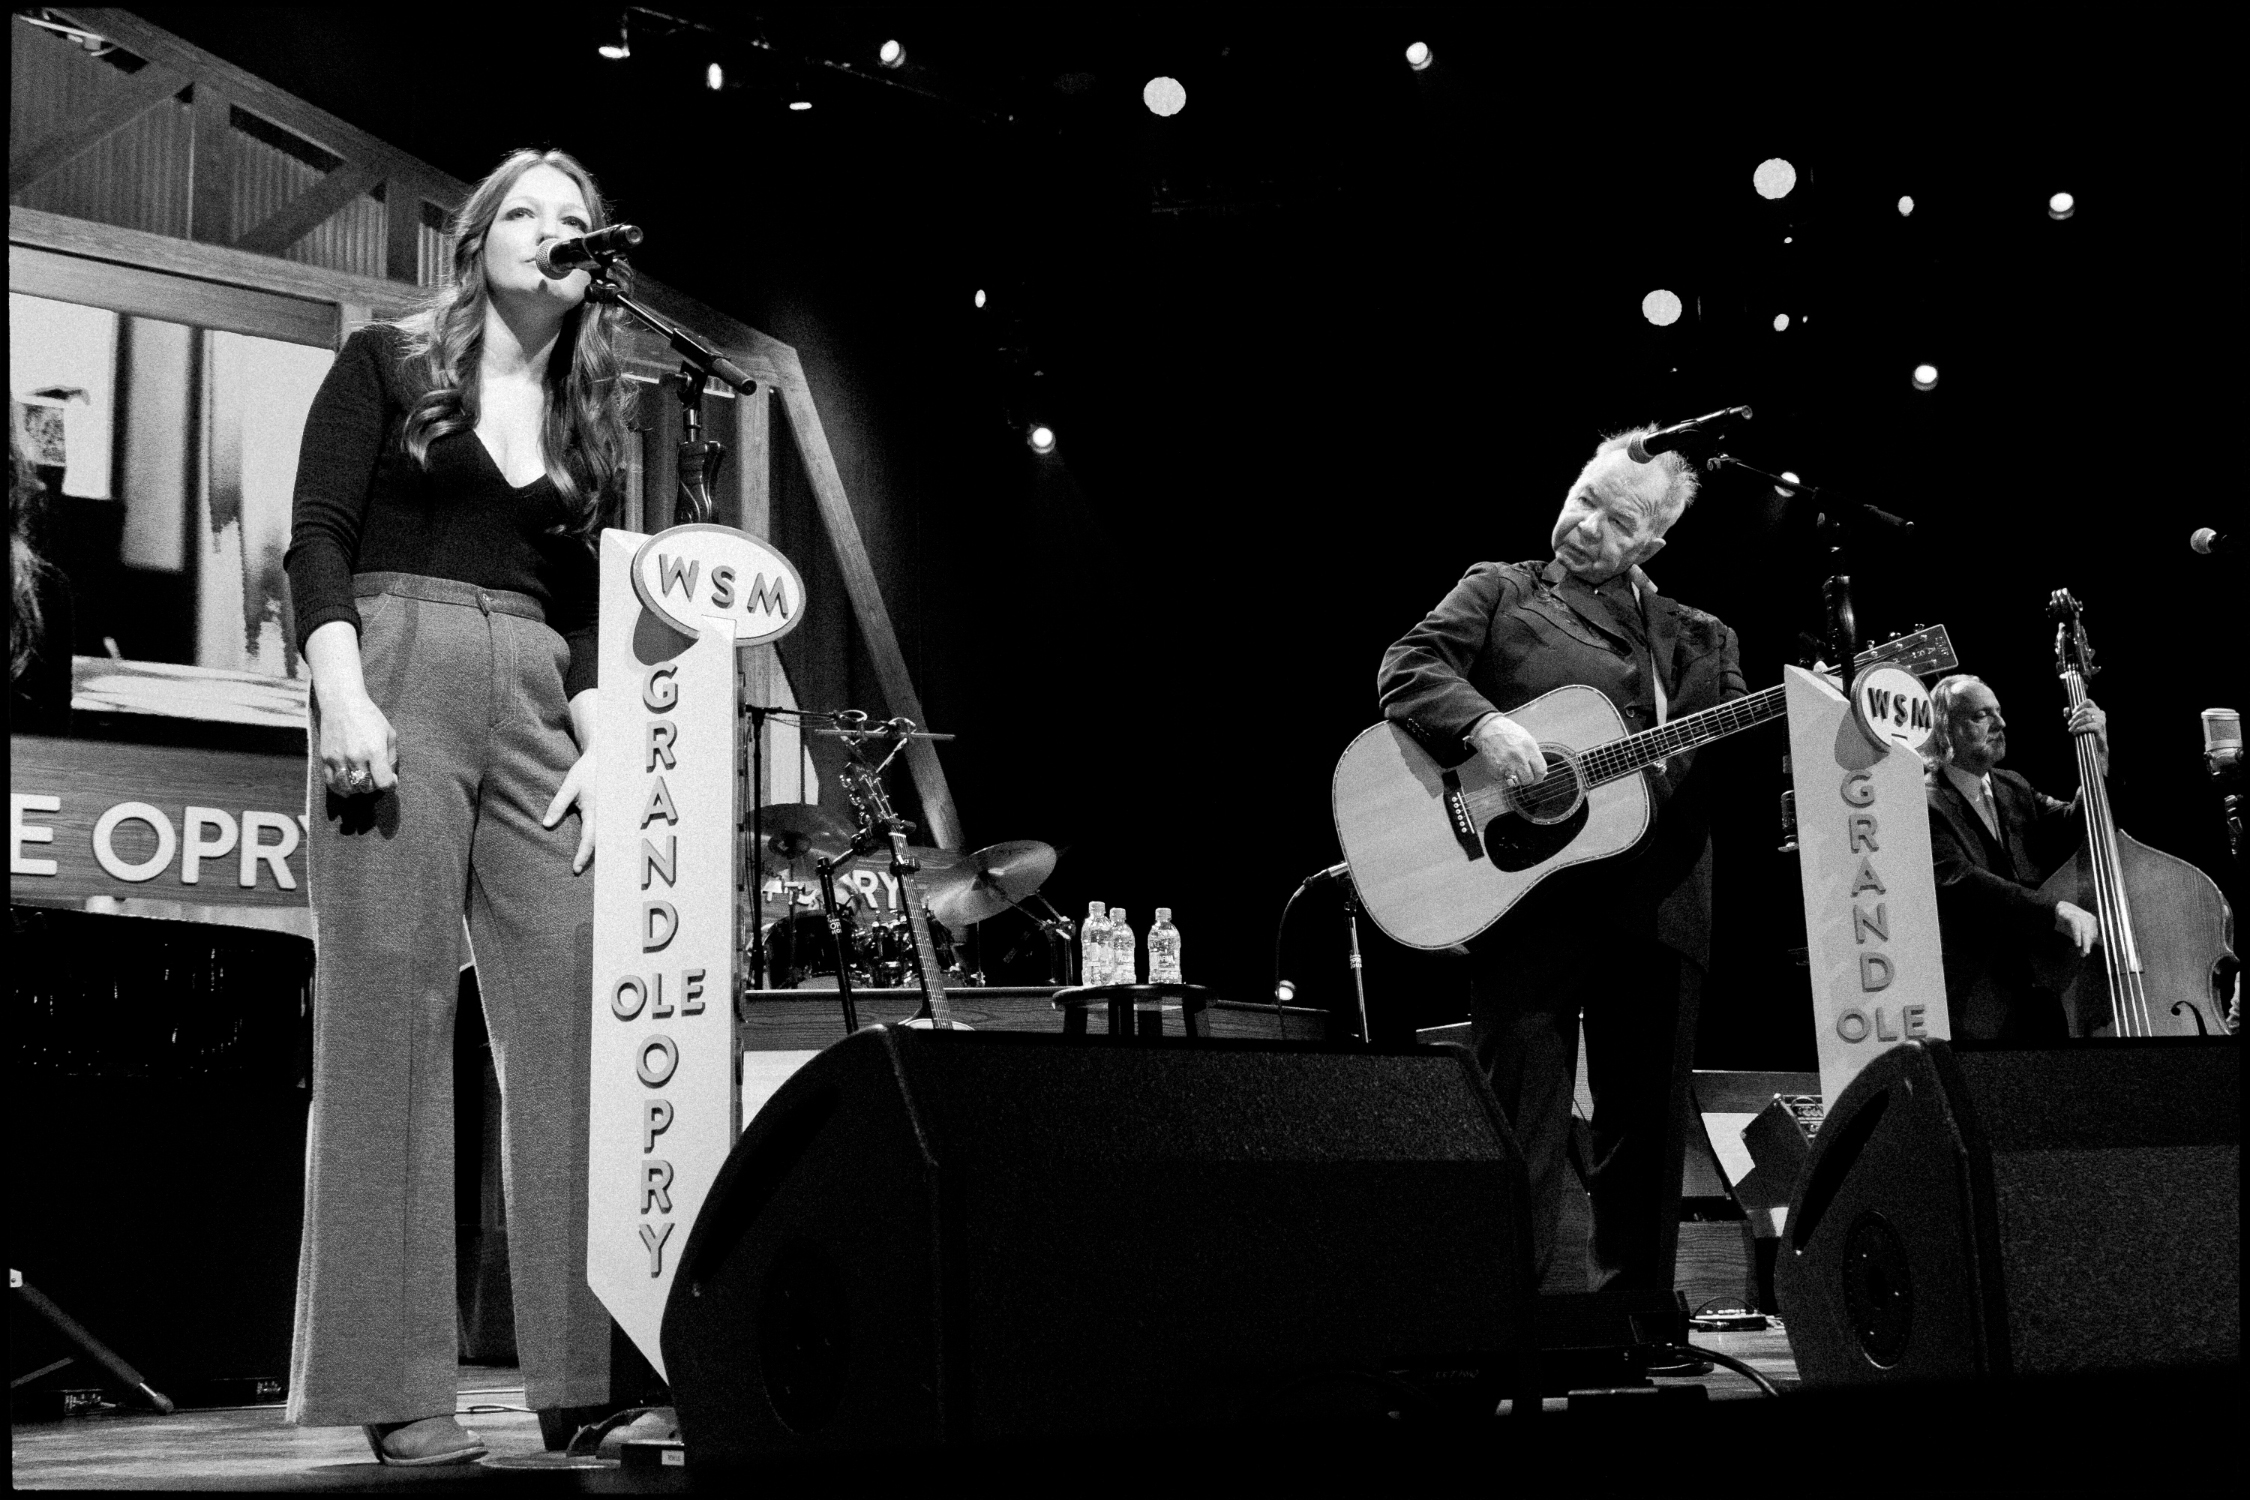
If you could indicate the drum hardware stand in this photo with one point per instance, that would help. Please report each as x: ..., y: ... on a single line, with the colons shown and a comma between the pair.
x: 826, y: 868
x: 758, y: 713
x: 1055, y: 928
x: 699, y: 458
x: 93, y: 1348
x: 1836, y: 591
x: 1058, y: 932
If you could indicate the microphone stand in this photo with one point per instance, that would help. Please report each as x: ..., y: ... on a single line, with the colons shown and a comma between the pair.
x: 1836, y: 591
x: 699, y: 458
x: 1359, y: 974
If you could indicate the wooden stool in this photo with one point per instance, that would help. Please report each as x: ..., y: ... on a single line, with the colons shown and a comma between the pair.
x: 1135, y: 1010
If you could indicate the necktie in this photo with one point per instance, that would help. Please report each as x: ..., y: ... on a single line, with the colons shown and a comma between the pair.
x: 1987, y: 808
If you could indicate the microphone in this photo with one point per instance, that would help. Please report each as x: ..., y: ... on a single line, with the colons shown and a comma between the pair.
x: 1337, y: 871
x: 2211, y: 543
x: 2222, y: 754
x: 2222, y: 740
x: 1665, y: 439
x: 558, y: 258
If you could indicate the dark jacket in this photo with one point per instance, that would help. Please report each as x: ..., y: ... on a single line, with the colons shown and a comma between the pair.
x: 1509, y: 632
x: 1990, y: 918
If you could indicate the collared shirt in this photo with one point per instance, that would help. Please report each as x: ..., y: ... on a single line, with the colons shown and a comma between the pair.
x: 1977, y: 792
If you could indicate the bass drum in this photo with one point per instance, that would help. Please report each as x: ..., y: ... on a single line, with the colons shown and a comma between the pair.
x: 801, y: 956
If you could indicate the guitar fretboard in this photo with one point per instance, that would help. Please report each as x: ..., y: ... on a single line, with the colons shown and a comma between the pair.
x: 1625, y: 757
x: 925, y: 952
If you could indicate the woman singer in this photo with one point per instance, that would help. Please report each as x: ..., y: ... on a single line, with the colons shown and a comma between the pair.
x: 456, y: 466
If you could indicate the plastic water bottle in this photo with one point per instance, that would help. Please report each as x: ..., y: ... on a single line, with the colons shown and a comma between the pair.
x: 1164, y: 949
x: 1093, y: 945
x: 1125, y: 950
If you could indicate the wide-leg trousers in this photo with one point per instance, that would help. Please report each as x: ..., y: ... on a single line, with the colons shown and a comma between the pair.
x: 472, y: 681
x: 1639, y: 1001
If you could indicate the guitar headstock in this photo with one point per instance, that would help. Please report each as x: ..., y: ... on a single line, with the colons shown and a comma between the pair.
x: 1926, y: 652
x: 2074, y: 652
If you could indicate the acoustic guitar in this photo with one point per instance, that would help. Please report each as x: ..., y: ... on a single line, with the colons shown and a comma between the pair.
x: 1440, y: 854
x: 863, y: 783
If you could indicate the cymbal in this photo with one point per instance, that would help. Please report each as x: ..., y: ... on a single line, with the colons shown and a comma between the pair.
x: 795, y: 829
x: 990, y: 881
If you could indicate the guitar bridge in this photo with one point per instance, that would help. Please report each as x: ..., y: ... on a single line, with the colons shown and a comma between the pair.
x: 1457, y: 811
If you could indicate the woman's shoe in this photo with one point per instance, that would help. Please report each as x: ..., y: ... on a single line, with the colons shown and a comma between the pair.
x: 423, y: 1444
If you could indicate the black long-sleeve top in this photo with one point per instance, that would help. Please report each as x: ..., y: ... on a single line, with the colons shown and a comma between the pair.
x: 363, y: 505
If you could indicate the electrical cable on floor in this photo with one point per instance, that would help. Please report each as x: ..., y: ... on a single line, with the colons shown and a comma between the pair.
x: 1736, y: 1365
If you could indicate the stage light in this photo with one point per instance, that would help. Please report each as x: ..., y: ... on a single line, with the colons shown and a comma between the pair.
x: 1419, y: 56
x: 1164, y: 96
x: 1041, y: 437
x: 1780, y: 322
x: 800, y: 104
x: 1782, y: 490
x: 1906, y: 208
x: 622, y: 48
x: 980, y: 296
x: 892, y: 54
x: 1925, y: 377
x: 714, y: 78
x: 1661, y: 307
x: 1774, y: 178
x: 1789, y: 239
x: 2061, y: 206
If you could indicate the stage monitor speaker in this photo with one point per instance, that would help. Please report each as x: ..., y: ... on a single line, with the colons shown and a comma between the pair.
x: 935, y: 1239
x: 1985, y: 1212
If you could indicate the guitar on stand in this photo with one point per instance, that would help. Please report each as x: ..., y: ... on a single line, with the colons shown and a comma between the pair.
x: 880, y: 823
x: 1439, y: 854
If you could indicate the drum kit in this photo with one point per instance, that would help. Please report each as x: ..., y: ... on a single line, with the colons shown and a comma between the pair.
x: 961, y: 891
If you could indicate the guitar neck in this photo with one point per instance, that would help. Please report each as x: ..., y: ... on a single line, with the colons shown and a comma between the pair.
x: 1636, y: 752
x: 925, y: 952
x: 1926, y: 651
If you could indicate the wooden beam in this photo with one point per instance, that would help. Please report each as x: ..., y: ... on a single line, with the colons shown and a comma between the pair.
x: 753, y: 458
x: 211, y: 169
x: 254, y: 94
x: 866, y: 596
x: 310, y: 209
x: 174, y: 299
x: 33, y: 159
x: 220, y: 263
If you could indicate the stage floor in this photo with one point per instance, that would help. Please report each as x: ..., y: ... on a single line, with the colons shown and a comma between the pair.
x: 252, y: 1448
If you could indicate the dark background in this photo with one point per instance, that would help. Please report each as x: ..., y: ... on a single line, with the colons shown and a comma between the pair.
x: 1338, y: 330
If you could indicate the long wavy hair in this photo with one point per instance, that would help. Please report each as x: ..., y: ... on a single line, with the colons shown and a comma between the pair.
x: 26, y: 495
x: 589, y: 403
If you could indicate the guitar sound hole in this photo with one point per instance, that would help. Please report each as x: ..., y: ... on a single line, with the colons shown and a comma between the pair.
x: 1514, y: 843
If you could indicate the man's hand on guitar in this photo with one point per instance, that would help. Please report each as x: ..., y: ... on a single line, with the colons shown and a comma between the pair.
x: 2077, y: 924
x: 1509, y: 749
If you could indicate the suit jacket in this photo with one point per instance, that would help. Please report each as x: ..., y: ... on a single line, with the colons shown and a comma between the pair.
x: 1509, y: 632
x: 1990, y: 918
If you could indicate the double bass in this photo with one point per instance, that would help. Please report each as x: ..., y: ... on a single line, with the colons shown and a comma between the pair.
x: 2167, y: 934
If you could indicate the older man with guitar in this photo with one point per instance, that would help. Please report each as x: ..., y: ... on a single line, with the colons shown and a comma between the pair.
x: 1624, y: 943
